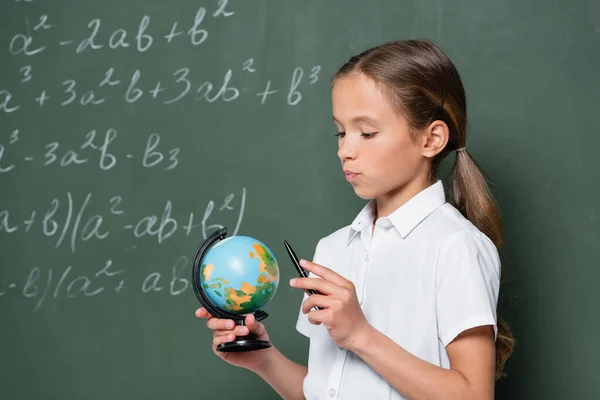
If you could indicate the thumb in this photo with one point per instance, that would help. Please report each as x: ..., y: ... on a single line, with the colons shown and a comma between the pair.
x: 253, y: 325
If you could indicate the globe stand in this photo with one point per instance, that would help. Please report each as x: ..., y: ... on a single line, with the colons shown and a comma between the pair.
x: 248, y: 342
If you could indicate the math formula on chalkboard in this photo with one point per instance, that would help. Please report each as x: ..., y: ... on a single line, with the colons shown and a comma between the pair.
x: 107, y: 124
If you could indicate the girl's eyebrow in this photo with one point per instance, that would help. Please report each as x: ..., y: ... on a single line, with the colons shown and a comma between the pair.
x: 363, y: 118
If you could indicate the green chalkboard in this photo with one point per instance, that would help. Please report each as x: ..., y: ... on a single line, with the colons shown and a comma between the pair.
x: 129, y: 130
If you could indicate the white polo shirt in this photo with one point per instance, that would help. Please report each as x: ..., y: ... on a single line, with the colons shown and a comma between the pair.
x: 424, y: 276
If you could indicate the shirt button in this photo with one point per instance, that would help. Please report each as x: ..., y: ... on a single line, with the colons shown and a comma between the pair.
x: 331, y: 392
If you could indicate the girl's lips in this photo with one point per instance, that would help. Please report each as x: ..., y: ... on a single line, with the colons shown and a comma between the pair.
x: 350, y: 176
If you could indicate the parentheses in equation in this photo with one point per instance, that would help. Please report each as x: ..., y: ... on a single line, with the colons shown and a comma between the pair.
x: 67, y: 220
x: 41, y: 300
x: 78, y: 221
x: 59, y: 285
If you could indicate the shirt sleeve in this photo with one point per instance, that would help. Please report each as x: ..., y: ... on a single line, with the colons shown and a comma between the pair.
x: 467, y: 286
x: 303, y: 324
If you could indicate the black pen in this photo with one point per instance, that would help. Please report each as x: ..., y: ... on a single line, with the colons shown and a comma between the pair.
x: 300, y: 270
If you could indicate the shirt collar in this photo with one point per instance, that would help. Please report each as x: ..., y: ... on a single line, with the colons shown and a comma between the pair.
x: 406, y: 217
x: 364, y: 219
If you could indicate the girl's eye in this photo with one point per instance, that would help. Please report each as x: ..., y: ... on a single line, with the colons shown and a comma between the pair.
x: 365, y: 135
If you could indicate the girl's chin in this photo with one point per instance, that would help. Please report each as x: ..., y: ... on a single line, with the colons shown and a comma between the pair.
x: 363, y: 193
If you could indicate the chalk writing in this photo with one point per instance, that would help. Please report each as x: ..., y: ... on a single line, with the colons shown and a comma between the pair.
x: 51, y: 284
x: 72, y: 104
x: 79, y: 224
x: 139, y: 38
x: 184, y: 83
x: 99, y: 148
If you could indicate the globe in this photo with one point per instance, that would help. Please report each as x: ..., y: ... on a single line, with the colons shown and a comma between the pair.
x: 239, y: 274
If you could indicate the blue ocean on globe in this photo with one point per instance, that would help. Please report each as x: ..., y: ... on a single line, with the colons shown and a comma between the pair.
x: 239, y: 274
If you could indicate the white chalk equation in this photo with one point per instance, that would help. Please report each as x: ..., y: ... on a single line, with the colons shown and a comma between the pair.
x: 51, y: 285
x: 30, y: 41
x: 97, y: 147
x: 134, y: 86
x: 112, y: 116
x: 83, y: 220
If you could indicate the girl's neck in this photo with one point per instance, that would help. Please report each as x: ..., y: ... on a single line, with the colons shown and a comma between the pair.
x: 391, y: 201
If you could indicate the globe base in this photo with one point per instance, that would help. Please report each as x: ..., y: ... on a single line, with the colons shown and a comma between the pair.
x: 244, y: 343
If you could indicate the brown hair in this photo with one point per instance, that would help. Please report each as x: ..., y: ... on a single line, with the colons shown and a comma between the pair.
x: 425, y: 86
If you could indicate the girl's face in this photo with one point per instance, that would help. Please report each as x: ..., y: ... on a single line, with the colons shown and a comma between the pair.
x: 379, y: 157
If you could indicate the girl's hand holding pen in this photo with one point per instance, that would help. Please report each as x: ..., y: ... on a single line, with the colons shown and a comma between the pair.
x: 340, y: 311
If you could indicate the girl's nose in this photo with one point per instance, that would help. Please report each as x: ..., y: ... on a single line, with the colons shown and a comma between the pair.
x: 346, y: 149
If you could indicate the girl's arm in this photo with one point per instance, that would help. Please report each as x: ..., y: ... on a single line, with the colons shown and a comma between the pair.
x: 284, y: 375
x: 471, y: 373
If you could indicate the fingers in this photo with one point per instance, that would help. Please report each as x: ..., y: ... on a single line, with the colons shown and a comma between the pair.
x: 325, y: 273
x: 318, y: 284
x: 222, y: 324
x: 237, y: 331
x: 217, y: 324
x: 319, y: 301
x: 225, y: 330
x: 217, y: 340
x: 224, y: 336
x: 202, y: 313
x: 226, y: 326
x: 255, y: 327
x: 317, y: 317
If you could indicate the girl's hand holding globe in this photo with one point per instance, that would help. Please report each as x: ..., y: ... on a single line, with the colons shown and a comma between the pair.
x: 224, y: 331
x: 234, y: 278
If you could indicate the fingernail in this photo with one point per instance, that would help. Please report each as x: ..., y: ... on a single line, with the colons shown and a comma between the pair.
x: 292, y: 281
x: 230, y: 325
x: 244, y: 330
x: 303, y: 262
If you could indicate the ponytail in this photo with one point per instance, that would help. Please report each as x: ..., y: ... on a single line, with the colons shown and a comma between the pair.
x: 470, y: 194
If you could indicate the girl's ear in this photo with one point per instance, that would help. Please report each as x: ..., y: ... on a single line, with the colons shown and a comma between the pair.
x: 435, y: 137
